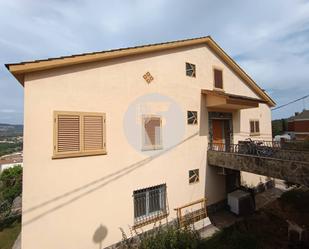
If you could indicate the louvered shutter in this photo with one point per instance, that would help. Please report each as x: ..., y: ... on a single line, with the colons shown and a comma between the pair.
x: 218, y: 78
x: 93, y: 133
x: 68, y: 133
x: 79, y: 134
x: 251, y: 126
x: 257, y: 126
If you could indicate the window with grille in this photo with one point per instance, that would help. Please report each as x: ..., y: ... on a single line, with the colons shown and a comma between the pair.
x: 218, y: 78
x: 194, y: 176
x: 152, y: 133
x: 192, y: 117
x: 190, y: 70
x: 149, y: 203
x: 78, y: 134
x: 254, y: 127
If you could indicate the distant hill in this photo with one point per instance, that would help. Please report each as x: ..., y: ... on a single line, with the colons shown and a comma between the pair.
x: 8, y: 130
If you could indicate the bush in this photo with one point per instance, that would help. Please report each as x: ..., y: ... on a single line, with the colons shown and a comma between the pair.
x: 11, y: 184
x: 9, y: 221
x: 171, y: 238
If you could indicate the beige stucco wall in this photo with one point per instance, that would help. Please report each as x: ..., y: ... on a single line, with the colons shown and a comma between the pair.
x: 66, y: 200
x: 242, y: 131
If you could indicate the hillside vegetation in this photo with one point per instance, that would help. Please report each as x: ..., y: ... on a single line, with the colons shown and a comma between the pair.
x: 8, y: 130
x: 10, y: 220
x: 9, y: 148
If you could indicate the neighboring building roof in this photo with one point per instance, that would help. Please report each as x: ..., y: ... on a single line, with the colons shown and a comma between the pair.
x: 304, y: 115
x: 11, y: 159
x: 4, y: 162
x: 20, y: 69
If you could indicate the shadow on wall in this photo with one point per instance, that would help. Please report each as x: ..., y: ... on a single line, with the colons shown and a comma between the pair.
x: 97, y: 184
x: 214, y: 183
x: 99, y: 235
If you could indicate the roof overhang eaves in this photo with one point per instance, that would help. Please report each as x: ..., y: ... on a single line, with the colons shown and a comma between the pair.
x: 20, y: 69
x: 39, y: 65
x: 231, y: 96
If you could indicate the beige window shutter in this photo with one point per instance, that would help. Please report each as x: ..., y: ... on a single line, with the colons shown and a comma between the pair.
x: 257, y: 126
x: 218, y: 78
x: 79, y: 134
x: 93, y: 132
x: 252, y: 130
x: 68, y: 133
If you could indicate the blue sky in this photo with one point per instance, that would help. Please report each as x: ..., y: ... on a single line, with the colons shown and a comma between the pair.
x: 269, y: 39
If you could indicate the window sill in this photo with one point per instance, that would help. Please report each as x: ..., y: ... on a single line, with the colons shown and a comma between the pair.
x: 152, y: 148
x: 149, y: 220
x: 193, y: 183
x: 81, y: 154
x: 218, y: 89
x: 254, y: 134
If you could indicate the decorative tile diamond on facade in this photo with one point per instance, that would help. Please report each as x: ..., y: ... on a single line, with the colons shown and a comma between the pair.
x: 148, y: 77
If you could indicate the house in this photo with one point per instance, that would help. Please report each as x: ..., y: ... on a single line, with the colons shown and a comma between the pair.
x: 10, y: 161
x: 298, y: 125
x: 118, y: 139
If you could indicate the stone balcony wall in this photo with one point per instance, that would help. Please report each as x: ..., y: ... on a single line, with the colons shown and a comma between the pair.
x: 296, y: 171
x: 292, y: 155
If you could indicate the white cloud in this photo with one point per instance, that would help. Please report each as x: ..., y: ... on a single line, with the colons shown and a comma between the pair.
x: 271, y: 43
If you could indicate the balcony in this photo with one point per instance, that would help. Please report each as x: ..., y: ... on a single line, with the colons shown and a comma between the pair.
x: 221, y: 100
x: 266, y: 158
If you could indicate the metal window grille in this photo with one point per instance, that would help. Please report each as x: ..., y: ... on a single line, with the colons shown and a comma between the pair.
x: 149, y: 203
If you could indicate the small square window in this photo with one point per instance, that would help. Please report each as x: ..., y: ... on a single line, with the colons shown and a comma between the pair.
x: 190, y: 70
x: 194, y: 176
x: 192, y: 117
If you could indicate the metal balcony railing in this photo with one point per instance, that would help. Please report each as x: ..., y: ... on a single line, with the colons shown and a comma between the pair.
x: 260, y: 148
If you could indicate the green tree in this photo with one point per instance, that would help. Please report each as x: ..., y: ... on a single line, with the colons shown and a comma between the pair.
x: 11, y: 184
